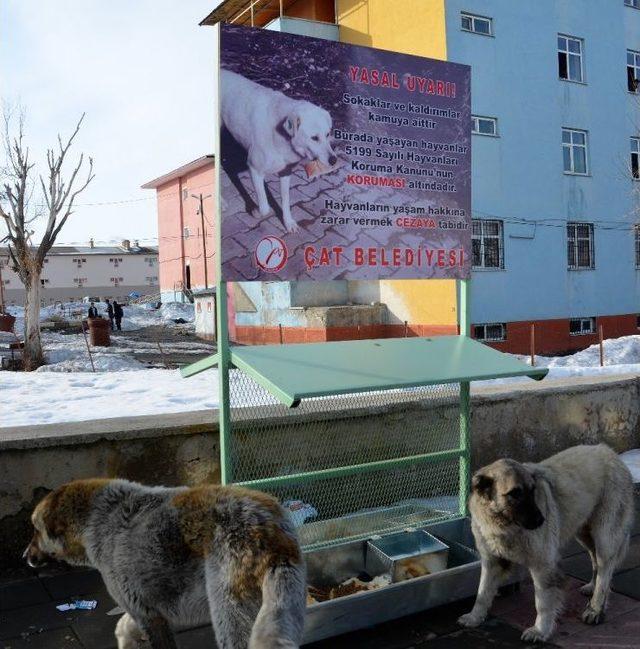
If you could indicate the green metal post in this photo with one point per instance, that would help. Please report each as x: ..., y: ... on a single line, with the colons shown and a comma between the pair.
x: 464, y: 318
x: 222, y: 323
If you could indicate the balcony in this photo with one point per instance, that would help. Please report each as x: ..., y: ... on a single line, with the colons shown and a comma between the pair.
x: 314, y: 18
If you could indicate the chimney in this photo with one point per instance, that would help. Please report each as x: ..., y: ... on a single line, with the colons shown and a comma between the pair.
x: 91, y: 243
x: 136, y: 243
x: 126, y: 244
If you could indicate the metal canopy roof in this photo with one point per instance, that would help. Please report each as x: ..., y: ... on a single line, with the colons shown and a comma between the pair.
x: 295, y: 372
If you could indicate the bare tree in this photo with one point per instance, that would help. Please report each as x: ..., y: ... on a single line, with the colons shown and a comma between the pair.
x: 19, y: 213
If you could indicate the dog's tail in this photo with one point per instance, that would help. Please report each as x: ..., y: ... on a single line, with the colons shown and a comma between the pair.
x: 280, y: 621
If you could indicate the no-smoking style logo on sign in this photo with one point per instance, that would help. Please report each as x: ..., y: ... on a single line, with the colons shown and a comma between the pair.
x: 271, y: 254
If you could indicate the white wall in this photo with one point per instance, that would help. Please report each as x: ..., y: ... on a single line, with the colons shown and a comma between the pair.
x: 111, y: 275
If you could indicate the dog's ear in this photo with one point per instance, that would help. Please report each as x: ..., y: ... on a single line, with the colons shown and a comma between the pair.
x: 291, y: 124
x: 482, y: 485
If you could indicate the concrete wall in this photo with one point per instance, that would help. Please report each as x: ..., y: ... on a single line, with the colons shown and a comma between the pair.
x: 305, y: 26
x: 527, y: 423
x: 205, y: 308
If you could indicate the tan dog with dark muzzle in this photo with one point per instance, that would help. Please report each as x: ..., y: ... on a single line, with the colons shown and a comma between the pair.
x: 525, y: 513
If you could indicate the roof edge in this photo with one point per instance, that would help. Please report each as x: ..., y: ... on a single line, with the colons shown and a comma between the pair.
x: 198, y: 163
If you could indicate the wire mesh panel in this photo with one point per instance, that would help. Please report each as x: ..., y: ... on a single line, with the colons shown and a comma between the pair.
x: 382, y: 460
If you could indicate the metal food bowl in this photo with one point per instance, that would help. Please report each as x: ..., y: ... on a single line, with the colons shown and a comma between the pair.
x: 406, y: 555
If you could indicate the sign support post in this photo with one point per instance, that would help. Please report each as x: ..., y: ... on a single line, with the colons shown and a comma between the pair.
x: 464, y: 317
x: 222, y: 318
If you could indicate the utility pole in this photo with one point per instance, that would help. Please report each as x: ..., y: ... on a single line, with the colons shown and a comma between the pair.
x: 1, y: 289
x: 201, y: 198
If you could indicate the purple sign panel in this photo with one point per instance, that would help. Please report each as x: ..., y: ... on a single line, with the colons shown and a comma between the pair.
x: 341, y: 162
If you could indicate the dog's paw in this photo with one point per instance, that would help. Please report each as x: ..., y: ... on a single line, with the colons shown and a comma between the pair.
x: 291, y: 226
x: 470, y: 620
x: 587, y: 589
x: 257, y: 214
x: 591, y: 616
x: 533, y: 634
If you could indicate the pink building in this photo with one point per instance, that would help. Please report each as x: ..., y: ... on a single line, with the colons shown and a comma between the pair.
x: 186, y: 237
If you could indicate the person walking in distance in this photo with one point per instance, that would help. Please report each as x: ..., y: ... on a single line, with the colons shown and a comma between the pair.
x: 110, y: 313
x: 93, y: 312
x: 118, y: 313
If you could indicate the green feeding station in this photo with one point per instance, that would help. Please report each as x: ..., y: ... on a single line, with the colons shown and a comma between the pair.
x: 366, y: 442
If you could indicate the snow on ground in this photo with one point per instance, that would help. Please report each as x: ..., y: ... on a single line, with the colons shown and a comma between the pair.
x: 67, y: 390
x: 621, y: 356
x: 47, y: 398
x: 68, y: 353
x: 136, y: 316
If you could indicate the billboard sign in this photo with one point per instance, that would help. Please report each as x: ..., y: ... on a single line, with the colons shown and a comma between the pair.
x: 341, y: 162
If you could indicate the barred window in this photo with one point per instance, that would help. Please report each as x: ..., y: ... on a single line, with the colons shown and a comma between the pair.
x: 582, y: 326
x: 487, y: 241
x: 635, y: 157
x: 490, y: 332
x: 580, y: 249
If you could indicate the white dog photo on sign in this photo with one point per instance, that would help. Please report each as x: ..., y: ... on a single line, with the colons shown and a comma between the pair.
x: 278, y: 133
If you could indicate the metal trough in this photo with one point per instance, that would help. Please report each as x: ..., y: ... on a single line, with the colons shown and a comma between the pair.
x: 331, y: 566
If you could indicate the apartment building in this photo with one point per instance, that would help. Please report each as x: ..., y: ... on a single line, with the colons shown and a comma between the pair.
x: 71, y: 273
x: 555, y: 173
x: 186, y: 234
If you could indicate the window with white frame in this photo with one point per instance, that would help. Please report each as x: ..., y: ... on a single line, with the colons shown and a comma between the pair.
x: 574, y: 151
x: 637, y: 242
x: 487, y: 243
x: 476, y: 24
x: 635, y: 157
x: 633, y: 3
x: 580, y: 247
x: 570, y: 66
x: 490, y: 332
x: 633, y: 70
x: 484, y: 125
x: 582, y: 326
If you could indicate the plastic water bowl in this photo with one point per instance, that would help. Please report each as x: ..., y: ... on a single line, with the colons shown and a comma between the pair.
x: 406, y: 555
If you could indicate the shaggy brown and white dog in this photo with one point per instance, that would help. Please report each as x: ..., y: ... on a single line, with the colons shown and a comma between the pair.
x: 181, y: 557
